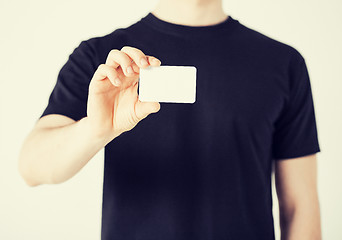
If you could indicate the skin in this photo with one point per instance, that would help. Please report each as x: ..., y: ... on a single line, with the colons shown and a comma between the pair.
x: 58, y: 147
x: 296, y: 186
x: 190, y: 12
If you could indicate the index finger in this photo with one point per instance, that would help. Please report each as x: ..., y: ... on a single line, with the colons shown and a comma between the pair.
x: 137, y: 56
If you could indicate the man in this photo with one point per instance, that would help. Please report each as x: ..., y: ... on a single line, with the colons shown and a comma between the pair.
x: 188, y: 171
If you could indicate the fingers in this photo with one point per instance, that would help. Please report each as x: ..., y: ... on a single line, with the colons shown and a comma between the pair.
x: 135, y: 67
x: 136, y: 55
x: 139, y: 58
x: 143, y: 109
x: 118, y: 58
x: 130, y: 59
x: 153, y: 61
x: 104, y: 71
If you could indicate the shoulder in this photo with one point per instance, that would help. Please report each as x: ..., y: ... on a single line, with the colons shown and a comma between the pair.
x: 117, y: 36
x: 266, y: 45
x: 98, y: 47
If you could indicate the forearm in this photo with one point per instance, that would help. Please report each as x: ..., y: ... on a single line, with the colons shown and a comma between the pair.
x: 301, y: 222
x: 53, y: 155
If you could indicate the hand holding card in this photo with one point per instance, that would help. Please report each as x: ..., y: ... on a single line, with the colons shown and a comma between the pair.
x: 174, y: 84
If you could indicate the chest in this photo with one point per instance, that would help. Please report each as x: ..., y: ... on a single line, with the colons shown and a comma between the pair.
x: 236, y: 90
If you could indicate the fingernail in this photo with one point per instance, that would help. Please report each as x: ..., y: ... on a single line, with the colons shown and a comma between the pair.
x: 156, y: 60
x: 129, y: 69
x: 117, y: 81
x: 136, y: 68
x: 143, y: 62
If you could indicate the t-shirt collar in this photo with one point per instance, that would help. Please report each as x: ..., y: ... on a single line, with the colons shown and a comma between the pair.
x: 189, y: 31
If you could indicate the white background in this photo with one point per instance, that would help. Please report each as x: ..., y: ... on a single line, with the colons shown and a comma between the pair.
x: 36, y: 40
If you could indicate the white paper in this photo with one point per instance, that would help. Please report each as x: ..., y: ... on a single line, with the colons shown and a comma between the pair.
x: 174, y: 84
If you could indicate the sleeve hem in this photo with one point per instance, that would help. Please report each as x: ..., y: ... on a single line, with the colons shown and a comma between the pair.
x: 300, y: 153
x: 73, y: 114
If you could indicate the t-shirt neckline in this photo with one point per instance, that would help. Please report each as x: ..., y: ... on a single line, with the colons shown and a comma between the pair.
x: 185, y: 30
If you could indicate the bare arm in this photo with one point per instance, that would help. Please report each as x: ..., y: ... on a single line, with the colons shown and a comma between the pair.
x: 58, y: 147
x: 296, y: 184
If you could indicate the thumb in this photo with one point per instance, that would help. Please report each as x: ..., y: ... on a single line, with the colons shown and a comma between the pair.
x: 143, y: 109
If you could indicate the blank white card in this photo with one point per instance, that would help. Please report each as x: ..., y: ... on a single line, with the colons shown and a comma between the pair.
x: 174, y: 84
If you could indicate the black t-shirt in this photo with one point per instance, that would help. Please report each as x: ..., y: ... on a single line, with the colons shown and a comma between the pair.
x: 202, y: 170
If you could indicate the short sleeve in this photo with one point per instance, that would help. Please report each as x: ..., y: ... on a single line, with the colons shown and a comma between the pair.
x: 70, y: 93
x: 295, y: 131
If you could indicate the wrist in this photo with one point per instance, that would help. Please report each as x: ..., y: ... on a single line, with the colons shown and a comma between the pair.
x: 98, y: 136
